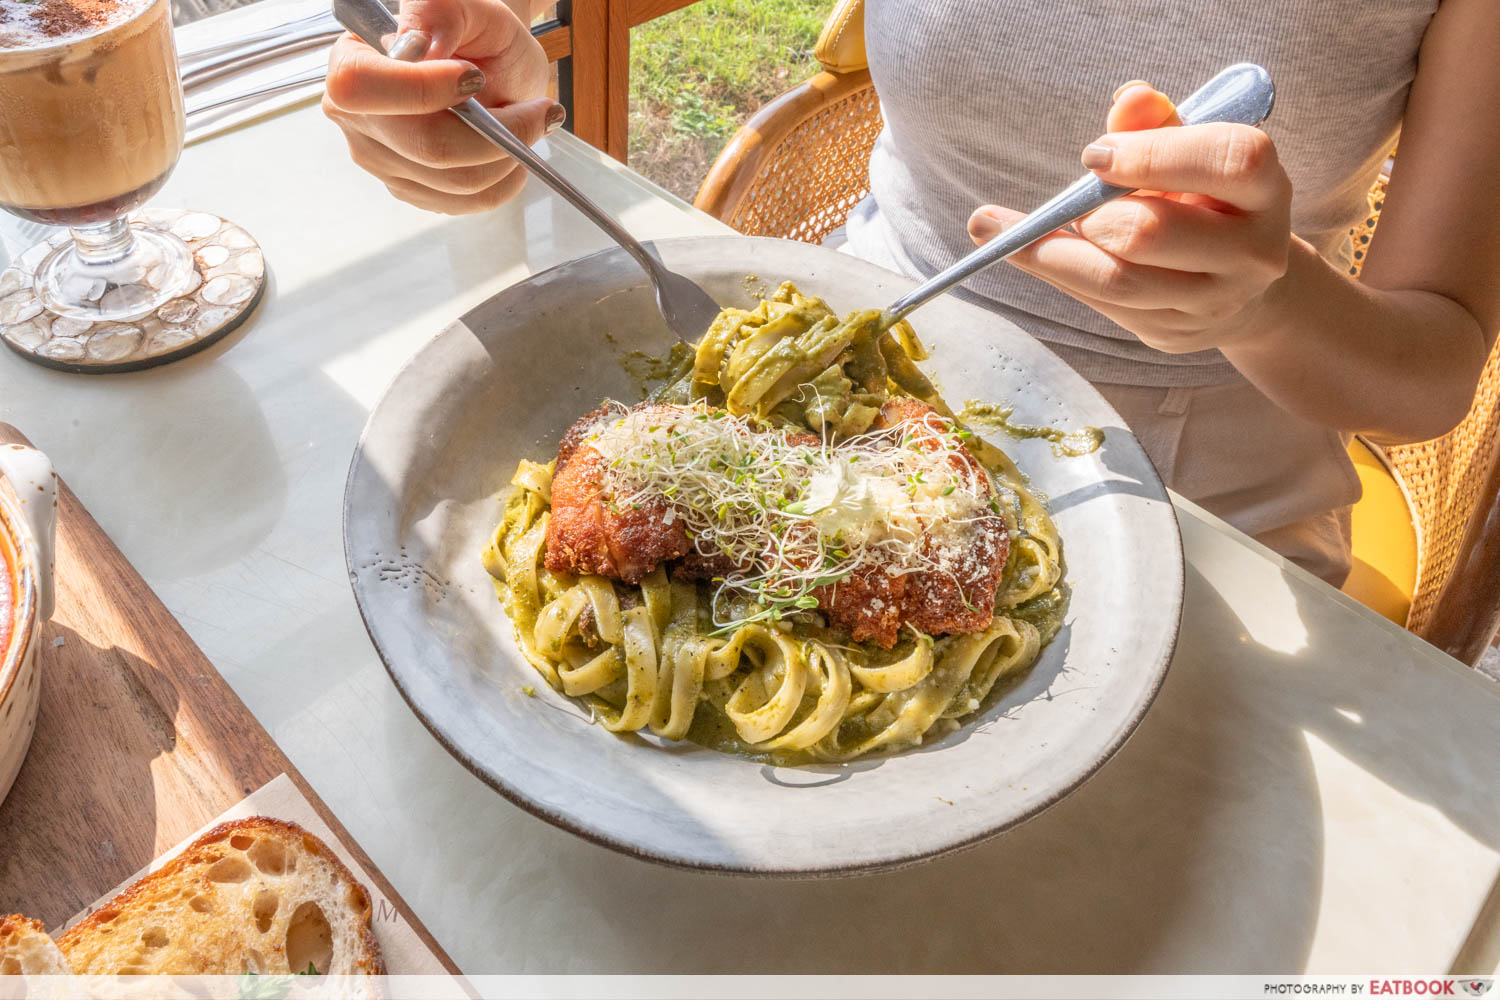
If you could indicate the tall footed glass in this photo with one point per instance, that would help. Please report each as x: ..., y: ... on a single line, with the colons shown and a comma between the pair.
x: 91, y: 125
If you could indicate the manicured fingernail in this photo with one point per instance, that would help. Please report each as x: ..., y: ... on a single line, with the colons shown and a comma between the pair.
x: 1126, y: 86
x: 1097, y: 156
x: 556, y: 115
x: 983, y: 226
x: 472, y: 82
x: 410, y: 46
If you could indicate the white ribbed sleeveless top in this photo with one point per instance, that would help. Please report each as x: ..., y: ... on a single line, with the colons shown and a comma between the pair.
x: 991, y: 101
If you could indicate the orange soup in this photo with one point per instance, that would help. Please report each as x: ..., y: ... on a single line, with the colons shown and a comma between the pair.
x: 7, y: 599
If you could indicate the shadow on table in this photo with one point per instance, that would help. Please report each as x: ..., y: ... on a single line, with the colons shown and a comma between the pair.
x: 1426, y: 740
x: 87, y: 758
x: 219, y: 431
x: 1433, y: 743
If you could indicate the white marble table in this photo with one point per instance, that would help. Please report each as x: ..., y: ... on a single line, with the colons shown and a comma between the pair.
x: 1314, y: 789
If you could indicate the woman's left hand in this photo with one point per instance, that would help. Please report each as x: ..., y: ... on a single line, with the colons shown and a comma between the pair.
x: 1185, y: 263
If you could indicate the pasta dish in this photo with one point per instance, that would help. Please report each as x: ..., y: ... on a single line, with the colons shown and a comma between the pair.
x: 792, y: 550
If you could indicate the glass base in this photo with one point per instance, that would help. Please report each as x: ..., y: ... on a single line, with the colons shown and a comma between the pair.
x: 115, y: 273
x: 227, y: 279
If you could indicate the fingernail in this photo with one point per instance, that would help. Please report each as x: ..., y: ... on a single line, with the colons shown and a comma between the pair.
x: 472, y: 82
x: 556, y: 115
x: 1097, y: 156
x: 984, y: 227
x: 1126, y: 86
x: 410, y: 46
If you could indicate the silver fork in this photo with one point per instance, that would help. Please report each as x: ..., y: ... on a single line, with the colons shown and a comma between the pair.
x: 688, y: 309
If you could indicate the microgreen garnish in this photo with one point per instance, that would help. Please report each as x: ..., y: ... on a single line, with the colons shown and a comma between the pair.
x: 796, y: 518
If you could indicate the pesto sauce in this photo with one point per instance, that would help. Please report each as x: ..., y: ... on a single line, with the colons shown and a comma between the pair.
x: 1043, y: 612
x: 649, y: 373
x: 1065, y: 444
x: 712, y: 729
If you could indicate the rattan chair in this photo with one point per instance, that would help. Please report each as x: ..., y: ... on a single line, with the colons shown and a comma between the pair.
x: 1427, y: 532
x: 801, y: 164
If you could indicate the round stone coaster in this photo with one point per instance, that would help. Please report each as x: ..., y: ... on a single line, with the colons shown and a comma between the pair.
x: 229, y: 276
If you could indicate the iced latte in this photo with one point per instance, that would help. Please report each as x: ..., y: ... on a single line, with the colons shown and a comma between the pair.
x: 90, y: 108
x: 91, y: 124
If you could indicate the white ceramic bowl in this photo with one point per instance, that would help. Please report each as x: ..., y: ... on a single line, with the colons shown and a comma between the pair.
x: 503, y: 384
x: 27, y: 522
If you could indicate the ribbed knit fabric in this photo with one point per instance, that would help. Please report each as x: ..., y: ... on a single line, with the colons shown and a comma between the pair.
x: 991, y: 101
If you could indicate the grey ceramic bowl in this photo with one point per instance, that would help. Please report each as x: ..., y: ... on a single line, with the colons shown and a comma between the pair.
x: 506, y: 380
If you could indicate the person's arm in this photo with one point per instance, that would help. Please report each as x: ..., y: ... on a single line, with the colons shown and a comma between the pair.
x: 1397, y: 353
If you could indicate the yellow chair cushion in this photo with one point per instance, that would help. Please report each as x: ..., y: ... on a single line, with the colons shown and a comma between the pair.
x: 1384, y: 576
x: 841, y: 46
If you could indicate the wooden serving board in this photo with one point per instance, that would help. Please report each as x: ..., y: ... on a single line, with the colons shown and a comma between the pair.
x: 139, y: 740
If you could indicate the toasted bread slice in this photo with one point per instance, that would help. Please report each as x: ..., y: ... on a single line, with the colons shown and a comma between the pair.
x: 26, y: 949
x: 252, y: 895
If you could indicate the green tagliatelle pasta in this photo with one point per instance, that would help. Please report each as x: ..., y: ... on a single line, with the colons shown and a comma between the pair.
x: 776, y: 681
x: 790, y: 360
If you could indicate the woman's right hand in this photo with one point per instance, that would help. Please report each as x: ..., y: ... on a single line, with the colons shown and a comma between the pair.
x: 393, y: 109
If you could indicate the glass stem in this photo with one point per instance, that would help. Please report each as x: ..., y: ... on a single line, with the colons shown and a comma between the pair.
x: 104, y: 243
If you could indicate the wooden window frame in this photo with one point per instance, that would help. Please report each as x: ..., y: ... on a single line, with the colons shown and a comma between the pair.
x: 590, y: 42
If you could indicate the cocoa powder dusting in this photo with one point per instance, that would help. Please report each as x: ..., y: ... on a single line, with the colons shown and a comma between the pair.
x: 55, y: 18
x: 28, y: 23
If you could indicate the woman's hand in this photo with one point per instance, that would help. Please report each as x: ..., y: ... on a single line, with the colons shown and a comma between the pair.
x: 393, y: 109
x: 1184, y: 270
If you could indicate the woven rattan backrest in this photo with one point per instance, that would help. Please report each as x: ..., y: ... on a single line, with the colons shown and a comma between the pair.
x: 816, y: 175
x: 1444, y: 478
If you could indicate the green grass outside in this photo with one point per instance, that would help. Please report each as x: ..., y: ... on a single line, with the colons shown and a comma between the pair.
x: 698, y: 73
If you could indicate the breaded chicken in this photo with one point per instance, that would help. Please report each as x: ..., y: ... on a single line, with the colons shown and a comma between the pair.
x: 959, y: 598
x: 588, y: 533
x: 870, y: 604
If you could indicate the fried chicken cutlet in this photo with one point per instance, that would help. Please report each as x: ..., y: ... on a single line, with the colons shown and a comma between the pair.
x: 588, y: 533
x: 958, y: 596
